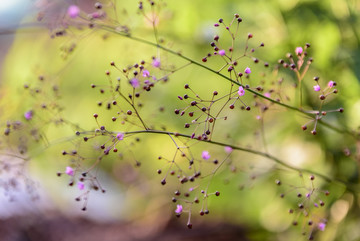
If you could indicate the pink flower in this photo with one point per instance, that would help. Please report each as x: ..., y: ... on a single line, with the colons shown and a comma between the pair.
x: 120, y: 136
x: 317, y: 88
x: 228, y: 149
x: 156, y: 63
x: 135, y: 83
x: 179, y: 209
x: 73, y: 11
x: 298, y: 50
x: 321, y: 226
x: 267, y: 94
x: 222, y: 52
x: 29, y: 115
x: 95, y: 15
x: 247, y: 70
x: 69, y: 171
x: 241, y: 91
x: 205, y: 155
x: 81, y: 185
x: 331, y: 84
x: 146, y: 73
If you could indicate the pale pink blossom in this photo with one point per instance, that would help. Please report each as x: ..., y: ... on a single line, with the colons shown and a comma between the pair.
x: 222, y: 52
x: 317, y: 88
x: 135, y: 83
x: 179, y: 209
x: 228, y: 149
x: 28, y: 115
x: 321, y: 226
x: 298, y: 50
x: 205, y: 155
x: 156, y: 63
x: 241, y: 91
x: 146, y: 73
x: 331, y: 84
x: 73, y: 11
x: 120, y: 136
x: 267, y: 94
x: 247, y: 70
x: 81, y: 185
x: 69, y: 171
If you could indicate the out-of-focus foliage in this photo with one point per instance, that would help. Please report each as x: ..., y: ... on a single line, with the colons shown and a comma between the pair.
x: 249, y: 197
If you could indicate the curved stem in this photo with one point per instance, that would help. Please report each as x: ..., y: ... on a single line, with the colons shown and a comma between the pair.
x: 127, y: 35
x: 349, y: 186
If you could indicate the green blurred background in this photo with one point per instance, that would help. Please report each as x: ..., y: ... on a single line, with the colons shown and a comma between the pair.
x: 249, y: 198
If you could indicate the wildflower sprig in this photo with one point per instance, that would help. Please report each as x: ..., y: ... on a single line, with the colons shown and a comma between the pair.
x: 205, y: 145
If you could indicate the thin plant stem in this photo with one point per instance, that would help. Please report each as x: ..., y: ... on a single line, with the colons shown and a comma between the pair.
x: 144, y: 41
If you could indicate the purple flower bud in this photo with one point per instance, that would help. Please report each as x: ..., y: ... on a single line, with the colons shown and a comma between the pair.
x: 120, y: 136
x: 69, y: 171
x: 241, y: 91
x: 321, y: 226
x: 179, y: 209
x: 95, y: 15
x: 156, y: 63
x: 222, y: 52
x: 298, y: 50
x: 247, y: 70
x: 73, y: 11
x: 135, y: 83
x: 228, y: 149
x: 81, y: 185
x: 180, y: 98
x: 205, y: 155
x: 267, y: 94
x: 317, y: 88
x: 331, y: 84
x: 146, y: 73
x: 29, y: 115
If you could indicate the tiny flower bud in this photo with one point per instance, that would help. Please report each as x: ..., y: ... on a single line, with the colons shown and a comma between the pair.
x: 241, y: 91
x: 298, y: 50
x: 69, y: 171
x: 205, y: 155
x: 120, y: 136
x: 321, y: 226
x: 247, y: 70
x: 317, y: 88
x: 73, y: 11
x: 331, y: 84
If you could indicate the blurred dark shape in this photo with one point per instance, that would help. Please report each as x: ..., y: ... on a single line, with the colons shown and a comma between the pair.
x: 61, y: 228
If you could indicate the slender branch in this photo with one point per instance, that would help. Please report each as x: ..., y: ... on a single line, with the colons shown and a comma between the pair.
x: 351, y: 187
x: 127, y: 35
